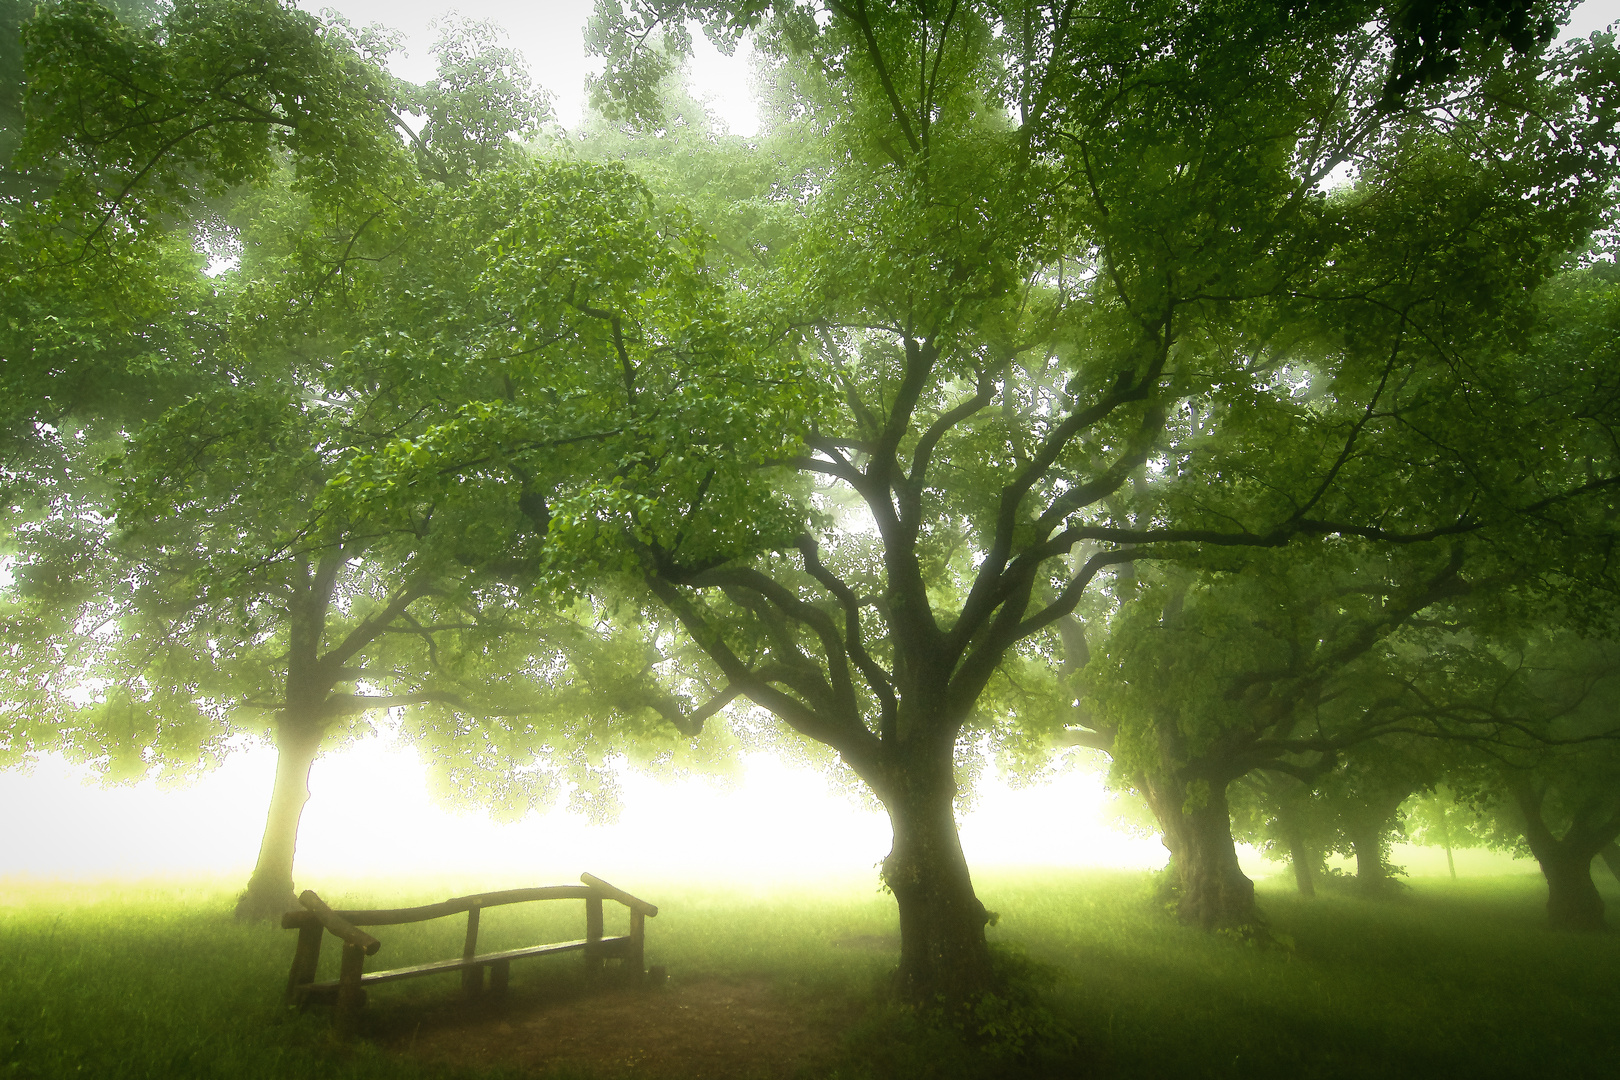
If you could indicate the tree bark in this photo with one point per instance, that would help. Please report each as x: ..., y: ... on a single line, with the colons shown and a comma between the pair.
x: 944, y: 956
x: 1300, y: 855
x: 1368, y: 827
x: 270, y: 889
x: 1573, y: 901
x: 1215, y: 894
x: 1611, y: 858
x: 1372, y: 871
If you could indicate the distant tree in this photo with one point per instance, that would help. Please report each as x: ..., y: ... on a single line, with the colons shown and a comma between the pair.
x: 1435, y: 819
x: 1547, y: 784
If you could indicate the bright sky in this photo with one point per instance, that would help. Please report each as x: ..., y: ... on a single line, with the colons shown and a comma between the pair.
x: 780, y: 821
x: 550, y: 33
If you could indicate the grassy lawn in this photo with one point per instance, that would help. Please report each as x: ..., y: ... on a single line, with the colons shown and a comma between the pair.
x: 1450, y: 979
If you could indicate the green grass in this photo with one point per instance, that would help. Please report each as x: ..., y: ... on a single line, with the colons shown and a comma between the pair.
x: 1450, y: 979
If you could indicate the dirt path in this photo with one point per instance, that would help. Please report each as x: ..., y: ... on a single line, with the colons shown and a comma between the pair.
x: 713, y: 1029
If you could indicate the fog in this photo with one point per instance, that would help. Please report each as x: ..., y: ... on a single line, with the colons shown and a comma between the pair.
x: 372, y: 815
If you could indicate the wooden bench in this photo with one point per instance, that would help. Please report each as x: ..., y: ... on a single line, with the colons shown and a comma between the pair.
x: 348, y: 992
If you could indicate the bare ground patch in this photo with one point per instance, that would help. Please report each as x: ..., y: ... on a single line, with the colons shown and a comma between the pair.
x: 724, y: 1029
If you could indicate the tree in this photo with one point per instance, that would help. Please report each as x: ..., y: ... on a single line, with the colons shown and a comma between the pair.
x: 225, y: 584
x: 1548, y: 783
x: 1041, y: 252
x: 1263, y: 664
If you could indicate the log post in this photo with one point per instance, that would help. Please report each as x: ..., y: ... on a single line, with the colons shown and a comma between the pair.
x: 306, y: 959
x: 500, y: 972
x: 593, y: 934
x: 350, y: 997
x: 472, y: 978
x: 635, y: 959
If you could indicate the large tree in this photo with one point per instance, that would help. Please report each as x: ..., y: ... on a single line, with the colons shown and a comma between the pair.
x: 196, y: 584
x: 1043, y: 249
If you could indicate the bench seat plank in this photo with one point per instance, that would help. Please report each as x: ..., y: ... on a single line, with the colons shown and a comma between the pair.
x: 292, y: 920
x: 611, y: 946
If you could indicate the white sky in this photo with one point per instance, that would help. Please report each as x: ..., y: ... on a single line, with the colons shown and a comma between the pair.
x: 780, y: 822
x: 550, y: 33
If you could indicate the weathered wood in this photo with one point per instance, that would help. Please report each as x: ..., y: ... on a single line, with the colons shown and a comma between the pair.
x: 306, y: 960
x: 350, y: 997
x: 634, y: 903
x: 472, y: 977
x: 401, y: 916
x: 348, y: 991
x: 635, y: 953
x: 500, y: 973
x: 316, y: 992
x: 593, y: 934
x: 336, y: 923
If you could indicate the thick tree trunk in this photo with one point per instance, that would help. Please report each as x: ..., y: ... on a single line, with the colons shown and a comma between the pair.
x: 943, y: 953
x: 1573, y: 902
x: 1368, y: 827
x: 1611, y: 858
x: 1372, y: 870
x: 1300, y: 855
x: 1214, y: 892
x: 270, y: 889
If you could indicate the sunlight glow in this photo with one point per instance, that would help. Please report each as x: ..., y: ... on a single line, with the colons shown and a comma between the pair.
x: 550, y: 35
x: 371, y: 814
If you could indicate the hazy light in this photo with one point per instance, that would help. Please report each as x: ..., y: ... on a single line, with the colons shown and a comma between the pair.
x: 550, y: 35
x: 371, y: 814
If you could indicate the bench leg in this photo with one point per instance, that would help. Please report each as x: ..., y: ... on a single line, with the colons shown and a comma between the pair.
x: 472, y: 981
x: 593, y: 935
x: 472, y: 978
x: 306, y: 958
x: 350, y: 997
x: 635, y: 959
x: 499, y: 973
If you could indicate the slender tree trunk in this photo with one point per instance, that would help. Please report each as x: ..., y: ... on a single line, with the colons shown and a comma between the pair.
x: 943, y: 952
x: 1215, y: 893
x: 1445, y: 841
x: 270, y: 889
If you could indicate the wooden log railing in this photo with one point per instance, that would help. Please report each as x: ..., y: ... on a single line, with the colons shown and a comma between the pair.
x: 348, y: 992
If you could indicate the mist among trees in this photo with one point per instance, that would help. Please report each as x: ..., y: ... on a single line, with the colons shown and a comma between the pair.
x: 1230, y: 389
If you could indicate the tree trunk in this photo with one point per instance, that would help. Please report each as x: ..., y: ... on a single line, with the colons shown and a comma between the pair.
x: 1611, y: 858
x: 1445, y: 840
x: 270, y: 889
x: 1573, y: 902
x: 1368, y: 826
x: 943, y: 953
x: 1214, y: 892
x: 1372, y: 871
x: 1299, y: 853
